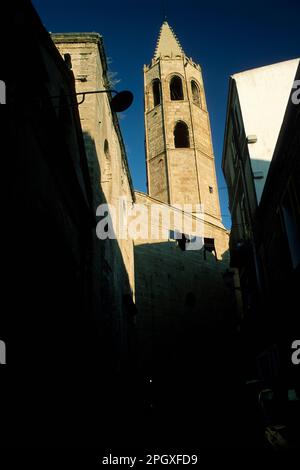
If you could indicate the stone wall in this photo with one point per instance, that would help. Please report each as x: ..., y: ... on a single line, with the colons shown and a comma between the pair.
x: 178, y: 293
x: 109, y: 174
x: 190, y: 171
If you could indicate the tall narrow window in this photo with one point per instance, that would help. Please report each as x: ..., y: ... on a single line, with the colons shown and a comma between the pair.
x: 107, y: 169
x: 176, y: 91
x: 237, y: 121
x: 181, y: 135
x: 156, y: 92
x: 291, y: 222
x: 195, y: 92
x: 2, y: 92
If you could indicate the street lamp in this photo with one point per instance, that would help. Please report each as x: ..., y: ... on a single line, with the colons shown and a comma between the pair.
x: 120, y: 102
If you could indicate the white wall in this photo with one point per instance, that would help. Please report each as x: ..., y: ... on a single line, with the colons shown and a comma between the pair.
x: 263, y: 94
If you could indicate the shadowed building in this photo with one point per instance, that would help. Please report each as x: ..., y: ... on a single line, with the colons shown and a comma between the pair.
x: 256, y: 104
x: 113, y: 271
x: 277, y: 237
x: 261, y: 170
x: 74, y: 295
x: 180, y: 170
x: 183, y: 301
x: 68, y: 296
x: 47, y: 323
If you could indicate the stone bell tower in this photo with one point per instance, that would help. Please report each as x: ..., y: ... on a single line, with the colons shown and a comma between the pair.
x: 179, y: 152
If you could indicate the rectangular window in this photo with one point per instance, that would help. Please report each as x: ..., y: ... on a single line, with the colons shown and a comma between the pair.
x: 291, y: 224
x: 209, y: 246
x: 237, y: 122
x: 244, y: 218
x: 234, y: 151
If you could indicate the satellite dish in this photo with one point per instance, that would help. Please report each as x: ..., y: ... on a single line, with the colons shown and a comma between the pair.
x: 121, y: 101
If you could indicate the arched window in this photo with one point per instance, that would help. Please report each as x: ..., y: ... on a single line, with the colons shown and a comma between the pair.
x: 195, y: 92
x: 156, y: 92
x: 176, y: 91
x: 181, y: 135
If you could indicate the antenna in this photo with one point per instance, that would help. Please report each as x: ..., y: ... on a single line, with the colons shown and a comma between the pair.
x: 163, y: 6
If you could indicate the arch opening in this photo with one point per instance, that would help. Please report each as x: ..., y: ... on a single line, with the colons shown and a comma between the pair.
x: 195, y: 92
x: 181, y: 135
x: 176, y: 90
x: 156, y: 92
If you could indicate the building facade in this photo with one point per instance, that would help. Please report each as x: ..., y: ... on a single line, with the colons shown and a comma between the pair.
x: 253, y: 123
x: 113, y: 264
x: 50, y: 333
x: 255, y: 126
x: 277, y: 237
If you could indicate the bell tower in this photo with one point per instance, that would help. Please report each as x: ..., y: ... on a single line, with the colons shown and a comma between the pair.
x: 179, y: 152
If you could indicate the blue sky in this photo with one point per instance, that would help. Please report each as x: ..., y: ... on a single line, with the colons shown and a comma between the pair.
x: 223, y: 37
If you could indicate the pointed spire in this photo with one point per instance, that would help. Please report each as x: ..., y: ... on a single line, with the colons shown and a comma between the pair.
x: 167, y: 43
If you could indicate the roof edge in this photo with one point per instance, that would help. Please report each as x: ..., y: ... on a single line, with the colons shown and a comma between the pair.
x: 76, y: 37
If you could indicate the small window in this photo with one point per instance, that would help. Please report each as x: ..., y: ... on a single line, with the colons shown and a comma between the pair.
x: 234, y: 151
x: 211, y: 189
x: 106, y: 149
x: 181, y: 135
x: 195, y: 92
x: 107, y: 173
x: 209, y: 246
x: 182, y: 241
x: 291, y: 224
x: 2, y: 352
x: 2, y: 92
x: 68, y: 61
x: 176, y: 91
x: 156, y: 92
